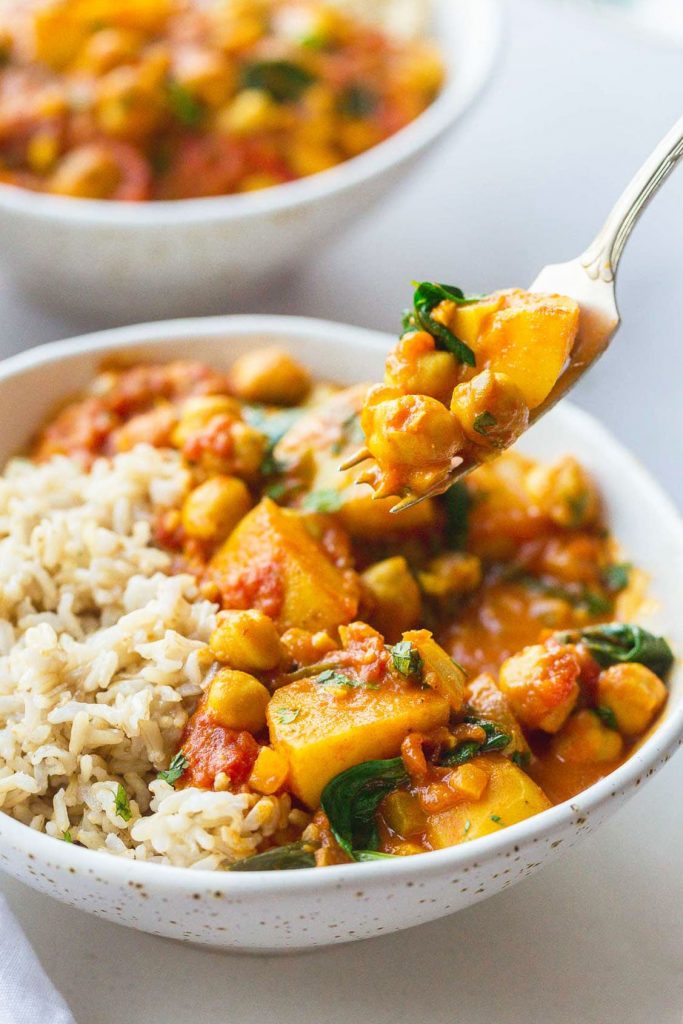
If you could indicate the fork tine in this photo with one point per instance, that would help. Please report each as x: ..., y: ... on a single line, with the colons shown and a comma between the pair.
x: 354, y: 460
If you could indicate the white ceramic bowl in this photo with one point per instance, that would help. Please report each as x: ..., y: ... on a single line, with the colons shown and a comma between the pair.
x: 278, y: 911
x: 142, y: 260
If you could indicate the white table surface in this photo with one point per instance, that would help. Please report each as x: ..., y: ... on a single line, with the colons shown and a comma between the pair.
x: 597, y: 937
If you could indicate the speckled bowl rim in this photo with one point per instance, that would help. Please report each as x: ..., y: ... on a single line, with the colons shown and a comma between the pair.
x: 653, y: 753
x: 486, y: 30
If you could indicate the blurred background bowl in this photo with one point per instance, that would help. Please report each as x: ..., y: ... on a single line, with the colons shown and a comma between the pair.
x: 145, y: 260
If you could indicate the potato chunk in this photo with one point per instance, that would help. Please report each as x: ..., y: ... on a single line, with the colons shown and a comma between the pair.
x: 509, y: 797
x: 323, y: 730
x: 529, y: 339
x: 633, y: 693
x: 272, y: 562
x: 541, y: 685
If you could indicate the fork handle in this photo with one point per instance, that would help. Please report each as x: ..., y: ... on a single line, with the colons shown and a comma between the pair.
x: 601, y: 258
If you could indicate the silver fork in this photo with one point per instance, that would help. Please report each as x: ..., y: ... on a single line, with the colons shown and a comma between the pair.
x: 590, y: 279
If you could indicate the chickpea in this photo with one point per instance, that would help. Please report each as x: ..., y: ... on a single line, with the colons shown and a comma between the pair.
x: 397, y: 603
x: 633, y: 693
x: 491, y: 410
x: 270, y: 376
x: 237, y: 700
x: 205, y: 74
x: 87, y: 172
x: 212, y: 511
x: 127, y: 106
x: 153, y: 427
x: 541, y: 685
x: 411, y: 430
x: 415, y: 366
x: 251, y: 111
x: 108, y: 48
x: 197, y: 412
x: 249, y: 447
x: 564, y: 492
x: 584, y: 738
x: 452, y: 574
x: 246, y: 640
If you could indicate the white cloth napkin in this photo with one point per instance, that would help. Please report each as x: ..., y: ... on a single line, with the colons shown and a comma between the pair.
x: 27, y: 996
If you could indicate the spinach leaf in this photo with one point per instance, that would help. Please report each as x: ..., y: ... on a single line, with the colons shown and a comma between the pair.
x: 406, y: 659
x: 274, y: 425
x: 617, y: 642
x: 592, y: 601
x: 428, y: 295
x: 282, y: 79
x: 457, y: 501
x: 176, y: 768
x: 184, y: 107
x: 367, y: 855
x: 483, y: 423
x: 280, y: 858
x: 607, y: 716
x: 522, y: 758
x: 495, y: 740
x: 350, y: 801
x: 286, y: 715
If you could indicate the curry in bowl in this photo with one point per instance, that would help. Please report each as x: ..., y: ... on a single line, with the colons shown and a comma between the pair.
x: 220, y: 651
x: 174, y: 99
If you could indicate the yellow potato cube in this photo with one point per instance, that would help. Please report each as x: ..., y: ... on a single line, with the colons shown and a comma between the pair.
x: 509, y: 797
x: 269, y: 772
x: 287, y: 572
x: 324, y: 730
x: 468, y: 322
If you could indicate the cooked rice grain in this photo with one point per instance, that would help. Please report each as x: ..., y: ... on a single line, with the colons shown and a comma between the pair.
x: 101, y: 664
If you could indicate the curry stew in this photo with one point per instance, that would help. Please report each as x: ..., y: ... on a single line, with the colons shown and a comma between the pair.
x: 413, y: 681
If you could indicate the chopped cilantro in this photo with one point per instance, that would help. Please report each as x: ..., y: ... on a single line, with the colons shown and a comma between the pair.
x: 331, y: 677
x: 483, y: 423
x: 286, y: 716
x: 521, y: 758
x: 121, y: 804
x: 67, y: 837
x: 322, y: 501
x: 176, y: 768
x: 497, y: 818
x: 607, y: 716
x: 357, y: 101
x: 468, y: 826
x: 406, y: 658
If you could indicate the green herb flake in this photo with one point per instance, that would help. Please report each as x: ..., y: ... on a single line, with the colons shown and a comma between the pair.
x: 357, y: 101
x: 616, y: 577
x: 406, y: 659
x: 121, y: 804
x: 578, y: 506
x: 468, y: 826
x: 284, y: 80
x: 286, y: 716
x: 184, y: 107
x: 330, y: 677
x: 67, y: 837
x: 484, y: 422
x: 176, y: 768
x: 457, y: 502
x: 522, y: 758
x: 607, y: 717
x: 497, y: 818
x: 276, y: 491
x: 323, y: 501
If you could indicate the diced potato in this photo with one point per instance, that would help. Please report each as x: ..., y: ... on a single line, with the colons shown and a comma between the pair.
x: 285, y: 571
x: 324, y: 730
x: 510, y: 796
x: 402, y: 812
x: 468, y: 322
x: 397, y: 601
x: 633, y: 693
x: 585, y: 739
x: 440, y: 671
x: 269, y: 772
x: 246, y: 640
x: 237, y: 700
x: 541, y: 685
x: 468, y: 780
x: 530, y: 339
